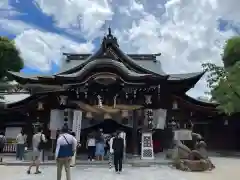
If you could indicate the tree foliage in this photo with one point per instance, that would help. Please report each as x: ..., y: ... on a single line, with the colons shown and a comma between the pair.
x: 9, y: 57
x: 231, y: 53
x: 224, y: 81
x: 10, y: 60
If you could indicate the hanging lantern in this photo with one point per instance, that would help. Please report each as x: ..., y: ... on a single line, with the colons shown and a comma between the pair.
x: 63, y: 100
x: 148, y: 99
x: 125, y: 113
x: 226, y: 122
x: 100, y: 104
x: 89, y: 115
x: 175, y: 105
x: 107, y: 116
x: 40, y: 106
x: 115, y: 100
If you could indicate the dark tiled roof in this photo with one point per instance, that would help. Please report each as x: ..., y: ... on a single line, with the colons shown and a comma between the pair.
x: 103, y: 62
x: 147, y: 64
x: 177, y: 77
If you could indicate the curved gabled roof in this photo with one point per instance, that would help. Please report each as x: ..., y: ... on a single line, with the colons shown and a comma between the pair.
x: 197, y: 104
x: 107, y: 63
x: 125, y: 63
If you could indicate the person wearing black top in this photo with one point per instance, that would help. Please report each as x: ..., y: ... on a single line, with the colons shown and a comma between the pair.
x: 118, y: 148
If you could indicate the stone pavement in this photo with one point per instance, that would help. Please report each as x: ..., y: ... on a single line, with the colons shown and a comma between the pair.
x: 137, y: 162
x: 129, y: 173
x: 225, y: 168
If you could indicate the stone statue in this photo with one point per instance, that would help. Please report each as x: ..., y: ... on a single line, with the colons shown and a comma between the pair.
x: 191, y: 160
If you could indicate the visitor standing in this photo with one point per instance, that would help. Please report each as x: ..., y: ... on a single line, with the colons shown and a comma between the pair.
x: 110, y: 155
x: 66, y: 147
x: 2, y: 144
x: 38, y: 144
x: 91, y: 147
x: 99, y: 153
x: 123, y: 136
x: 118, y: 148
x: 21, y: 142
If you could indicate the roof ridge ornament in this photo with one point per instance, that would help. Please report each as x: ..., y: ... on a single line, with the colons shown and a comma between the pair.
x: 109, y: 39
x: 109, y: 32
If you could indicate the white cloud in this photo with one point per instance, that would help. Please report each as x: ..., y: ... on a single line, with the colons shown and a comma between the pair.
x: 185, y: 32
x: 6, y: 10
x: 90, y: 15
x: 228, y: 10
x: 14, y: 26
x: 39, y: 48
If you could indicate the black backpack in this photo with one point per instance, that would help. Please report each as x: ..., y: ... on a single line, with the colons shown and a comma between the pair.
x: 41, y: 144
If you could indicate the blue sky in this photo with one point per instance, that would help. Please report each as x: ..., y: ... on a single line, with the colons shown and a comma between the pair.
x: 185, y: 35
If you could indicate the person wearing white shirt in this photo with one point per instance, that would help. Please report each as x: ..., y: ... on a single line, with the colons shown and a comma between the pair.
x: 64, y: 154
x: 38, y: 141
x: 110, y: 155
x: 91, y: 146
x: 123, y: 136
x: 21, y: 141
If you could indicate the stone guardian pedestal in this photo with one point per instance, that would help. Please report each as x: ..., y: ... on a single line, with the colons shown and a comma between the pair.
x: 147, y: 146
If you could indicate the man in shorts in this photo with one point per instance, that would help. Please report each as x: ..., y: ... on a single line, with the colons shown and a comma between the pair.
x: 37, y: 140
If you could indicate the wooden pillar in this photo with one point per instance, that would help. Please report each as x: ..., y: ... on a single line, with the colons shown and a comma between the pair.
x: 135, y: 139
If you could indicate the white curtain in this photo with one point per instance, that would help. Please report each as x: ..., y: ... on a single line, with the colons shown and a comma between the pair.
x: 77, y: 123
x: 159, y: 118
x: 12, y: 132
x: 182, y: 135
x: 56, y: 119
x: 70, y: 118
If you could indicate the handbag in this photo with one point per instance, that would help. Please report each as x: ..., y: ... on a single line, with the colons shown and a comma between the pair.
x: 41, y: 144
x: 65, y: 150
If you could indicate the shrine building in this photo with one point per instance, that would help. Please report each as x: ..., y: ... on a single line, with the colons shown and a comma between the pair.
x: 111, y: 90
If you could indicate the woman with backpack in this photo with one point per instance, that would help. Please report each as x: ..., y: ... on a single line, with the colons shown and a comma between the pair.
x: 38, y: 143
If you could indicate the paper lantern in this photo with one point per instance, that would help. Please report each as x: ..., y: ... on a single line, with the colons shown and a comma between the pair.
x: 226, y: 122
x: 89, y: 115
x: 148, y: 99
x: 40, y: 106
x: 124, y: 113
x: 107, y: 116
x: 175, y: 105
x: 63, y: 100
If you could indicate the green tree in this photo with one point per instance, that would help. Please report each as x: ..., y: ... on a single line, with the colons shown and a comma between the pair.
x: 231, y: 53
x: 224, y: 81
x: 10, y: 60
